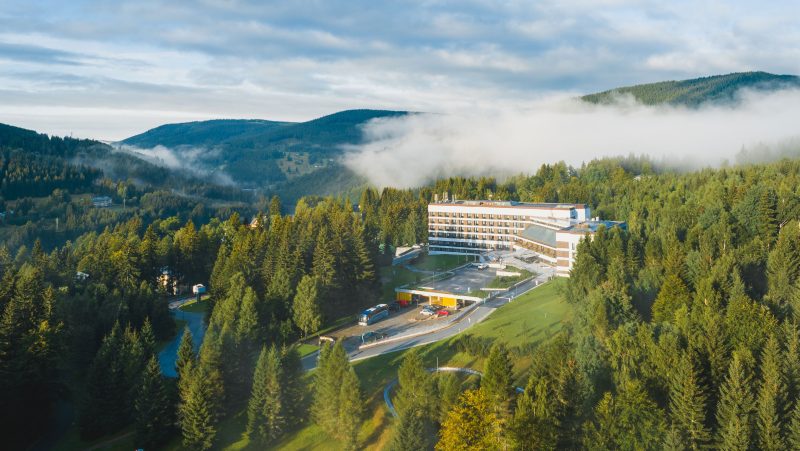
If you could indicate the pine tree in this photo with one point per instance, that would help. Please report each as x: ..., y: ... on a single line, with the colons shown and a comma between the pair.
x: 415, y: 390
x: 185, y: 352
x: 671, y: 297
x: 153, y: 415
x: 783, y: 265
x: 496, y: 381
x: 768, y: 215
x: 294, y: 388
x: 771, y: 401
x: 687, y: 402
x: 412, y: 433
x: 735, y: 408
x: 472, y: 424
x: 148, y: 338
x: 265, y: 410
x: 793, y: 435
x: 105, y: 389
x: 275, y: 206
x: 198, y: 419
x: 327, y: 387
x: 306, y: 310
x: 351, y: 408
x: 324, y: 260
x: 449, y: 388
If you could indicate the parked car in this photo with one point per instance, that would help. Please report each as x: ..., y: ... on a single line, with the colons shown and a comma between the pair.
x: 442, y: 312
x: 483, y: 266
x: 395, y: 306
x: 429, y: 310
x: 372, y: 337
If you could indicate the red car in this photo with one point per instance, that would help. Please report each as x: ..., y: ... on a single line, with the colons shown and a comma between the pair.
x: 442, y: 313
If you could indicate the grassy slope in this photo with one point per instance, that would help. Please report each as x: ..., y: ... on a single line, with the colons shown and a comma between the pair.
x: 530, y: 318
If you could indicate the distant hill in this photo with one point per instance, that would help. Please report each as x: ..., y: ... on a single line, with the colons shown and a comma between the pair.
x: 697, y: 91
x: 276, y: 156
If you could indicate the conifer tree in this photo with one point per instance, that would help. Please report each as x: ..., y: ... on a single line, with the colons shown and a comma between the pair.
x: 771, y: 401
x: 185, y: 352
x: 496, y: 381
x: 415, y: 391
x: 153, y: 415
x: 306, y: 309
x: 105, y: 389
x: 672, y: 295
x: 783, y: 266
x: 351, y: 408
x: 793, y: 434
x: 327, y: 387
x: 197, y: 413
x: 265, y: 410
x: 293, y: 386
x: 449, y: 388
x: 412, y: 433
x: 148, y: 338
x: 768, y: 215
x: 472, y: 424
x: 687, y: 402
x: 324, y: 260
x: 791, y: 360
x: 735, y: 407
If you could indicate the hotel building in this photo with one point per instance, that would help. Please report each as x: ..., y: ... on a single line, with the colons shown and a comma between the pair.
x: 476, y: 227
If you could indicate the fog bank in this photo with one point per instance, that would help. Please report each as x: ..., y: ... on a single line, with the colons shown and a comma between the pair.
x: 415, y: 149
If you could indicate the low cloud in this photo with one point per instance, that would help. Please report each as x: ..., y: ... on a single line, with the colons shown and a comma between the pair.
x: 413, y: 150
x: 185, y: 158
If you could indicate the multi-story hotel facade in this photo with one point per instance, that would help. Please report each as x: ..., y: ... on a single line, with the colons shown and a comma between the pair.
x: 475, y: 227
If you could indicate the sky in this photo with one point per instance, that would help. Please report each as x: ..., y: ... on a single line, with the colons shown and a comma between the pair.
x: 108, y: 70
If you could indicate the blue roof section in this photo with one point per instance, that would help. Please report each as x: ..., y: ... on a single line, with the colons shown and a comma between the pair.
x: 592, y: 226
x: 539, y: 234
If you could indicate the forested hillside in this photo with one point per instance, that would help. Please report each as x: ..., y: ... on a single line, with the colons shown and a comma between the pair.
x: 46, y: 185
x: 697, y: 91
x: 281, y: 157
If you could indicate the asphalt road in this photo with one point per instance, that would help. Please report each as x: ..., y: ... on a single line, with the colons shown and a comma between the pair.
x: 477, y: 315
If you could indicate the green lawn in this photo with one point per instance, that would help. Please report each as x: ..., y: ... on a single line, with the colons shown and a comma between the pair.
x: 529, y: 318
x: 196, y: 307
x: 306, y: 349
x: 393, y: 277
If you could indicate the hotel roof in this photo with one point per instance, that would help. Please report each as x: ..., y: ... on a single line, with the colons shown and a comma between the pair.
x: 510, y: 204
x: 539, y: 234
x: 592, y: 226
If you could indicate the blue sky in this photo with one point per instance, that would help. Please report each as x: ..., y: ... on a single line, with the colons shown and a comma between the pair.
x: 112, y: 69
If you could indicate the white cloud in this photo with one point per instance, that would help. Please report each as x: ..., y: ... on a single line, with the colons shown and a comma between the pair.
x: 413, y: 150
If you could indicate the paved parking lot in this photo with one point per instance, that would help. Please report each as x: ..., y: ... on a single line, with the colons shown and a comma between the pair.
x: 463, y: 281
x: 398, y: 323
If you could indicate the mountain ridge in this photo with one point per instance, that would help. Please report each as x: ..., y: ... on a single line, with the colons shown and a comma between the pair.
x: 694, y: 92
